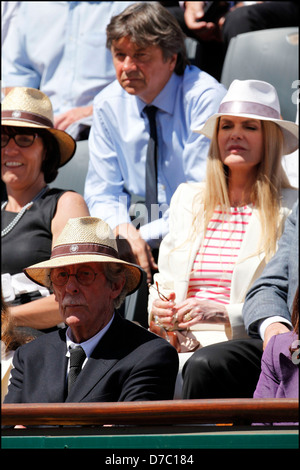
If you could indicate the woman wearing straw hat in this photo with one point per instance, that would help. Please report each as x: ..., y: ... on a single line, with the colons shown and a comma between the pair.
x: 33, y: 215
x: 224, y: 231
x: 117, y: 360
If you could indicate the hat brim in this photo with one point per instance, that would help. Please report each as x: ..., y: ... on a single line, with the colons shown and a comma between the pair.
x: 66, y: 143
x: 289, y: 129
x: 40, y: 272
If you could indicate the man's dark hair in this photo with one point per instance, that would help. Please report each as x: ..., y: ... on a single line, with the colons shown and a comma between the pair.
x: 150, y: 24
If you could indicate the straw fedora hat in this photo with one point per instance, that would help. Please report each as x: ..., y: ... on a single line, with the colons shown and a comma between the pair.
x: 253, y: 99
x: 29, y: 107
x: 84, y: 240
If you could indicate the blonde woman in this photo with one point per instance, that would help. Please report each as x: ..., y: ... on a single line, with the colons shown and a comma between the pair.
x: 224, y: 231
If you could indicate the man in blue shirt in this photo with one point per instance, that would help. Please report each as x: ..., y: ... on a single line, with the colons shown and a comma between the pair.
x: 149, y: 56
x: 60, y: 48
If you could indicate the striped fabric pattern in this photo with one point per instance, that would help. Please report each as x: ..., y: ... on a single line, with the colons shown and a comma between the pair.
x: 214, y: 262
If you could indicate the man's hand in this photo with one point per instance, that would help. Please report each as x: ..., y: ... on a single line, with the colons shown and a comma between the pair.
x: 193, y: 14
x: 140, y: 249
x: 274, y: 329
x: 64, y: 120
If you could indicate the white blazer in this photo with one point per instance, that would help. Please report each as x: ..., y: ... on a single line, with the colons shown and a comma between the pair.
x: 177, y: 253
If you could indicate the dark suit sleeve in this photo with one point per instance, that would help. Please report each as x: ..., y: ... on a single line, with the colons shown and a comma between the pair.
x: 273, y: 292
x: 16, y: 382
x: 154, y: 373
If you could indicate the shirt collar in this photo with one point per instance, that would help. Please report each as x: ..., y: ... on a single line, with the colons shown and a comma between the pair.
x: 89, y: 345
x: 164, y: 101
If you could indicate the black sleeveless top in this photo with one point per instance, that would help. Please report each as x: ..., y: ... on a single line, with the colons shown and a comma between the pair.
x: 30, y: 240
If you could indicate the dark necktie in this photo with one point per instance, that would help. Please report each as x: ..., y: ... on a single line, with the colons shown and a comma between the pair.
x: 77, y: 357
x: 151, y: 161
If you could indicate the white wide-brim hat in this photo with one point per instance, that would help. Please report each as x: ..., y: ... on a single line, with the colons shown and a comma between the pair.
x: 84, y: 240
x: 254, y: 99
x: 30, y: 107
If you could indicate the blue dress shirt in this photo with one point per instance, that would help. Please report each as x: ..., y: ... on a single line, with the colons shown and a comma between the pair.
x: 118, y: 144
x: 60, y: 47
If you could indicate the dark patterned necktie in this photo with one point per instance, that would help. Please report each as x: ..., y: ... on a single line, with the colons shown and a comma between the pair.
x: 77, y: 357
x: 151, y: 161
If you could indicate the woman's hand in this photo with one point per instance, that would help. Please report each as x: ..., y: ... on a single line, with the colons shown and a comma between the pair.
x: 163, y: 312
x: 192, y: 311
x: 187, y: 313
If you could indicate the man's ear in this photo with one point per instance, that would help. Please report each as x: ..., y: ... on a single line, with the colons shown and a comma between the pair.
x: 173, y: 61
x: 117, y: 286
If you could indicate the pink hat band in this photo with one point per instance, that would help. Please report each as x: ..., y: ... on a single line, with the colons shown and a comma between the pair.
x: 32, y: 118
x: 83, y: 249
x: 248, y: 107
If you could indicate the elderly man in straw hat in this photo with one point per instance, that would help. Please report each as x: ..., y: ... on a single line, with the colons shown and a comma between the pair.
x: 99, y: 356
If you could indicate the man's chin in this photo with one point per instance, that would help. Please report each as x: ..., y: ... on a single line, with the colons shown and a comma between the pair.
x: 131, y: 90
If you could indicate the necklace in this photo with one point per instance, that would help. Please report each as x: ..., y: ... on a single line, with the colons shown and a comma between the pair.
x: 20, y: 214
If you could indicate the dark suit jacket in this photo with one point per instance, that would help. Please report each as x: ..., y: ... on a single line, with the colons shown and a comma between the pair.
x: 128, y: 364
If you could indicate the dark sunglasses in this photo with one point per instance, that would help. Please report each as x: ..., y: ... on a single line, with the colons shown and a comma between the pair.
x: 22, y: 140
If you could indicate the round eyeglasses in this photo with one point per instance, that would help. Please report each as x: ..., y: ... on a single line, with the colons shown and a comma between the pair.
x: 60, y: 277
x: 22, y: 140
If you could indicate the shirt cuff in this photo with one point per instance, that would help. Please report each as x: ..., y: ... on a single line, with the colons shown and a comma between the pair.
x: 268, y: 321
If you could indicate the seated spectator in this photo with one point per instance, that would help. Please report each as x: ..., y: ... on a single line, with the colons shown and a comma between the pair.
x: 214, y: 24
x: 71, y: 69
x: 279, y: 377
x: 33, y: 215
x: 149, y: 56
x: 258, y: 15
x: 232, y: 369
x: 119, y: 360
x: 224, y: 231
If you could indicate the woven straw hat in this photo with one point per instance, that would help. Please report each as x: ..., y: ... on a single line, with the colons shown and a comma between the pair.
x: 254, y: 99
x: 29, y: 107
x: 84, y: 240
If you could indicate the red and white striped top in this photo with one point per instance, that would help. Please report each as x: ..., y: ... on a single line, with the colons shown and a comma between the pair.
x: 213, y: 265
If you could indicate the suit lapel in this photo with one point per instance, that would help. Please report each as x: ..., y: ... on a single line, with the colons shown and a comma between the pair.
x: 56, y: 369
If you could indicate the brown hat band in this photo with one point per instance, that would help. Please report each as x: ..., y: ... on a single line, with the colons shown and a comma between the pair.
x: 16, y: 115
x: 83, y: 249
x: 248, y: 107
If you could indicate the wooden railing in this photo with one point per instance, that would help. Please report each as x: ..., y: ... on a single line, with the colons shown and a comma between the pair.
x: 235, y: 411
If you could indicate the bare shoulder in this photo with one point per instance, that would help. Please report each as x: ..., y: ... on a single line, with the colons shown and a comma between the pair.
x: 70, y: 205
x: 69, y: 198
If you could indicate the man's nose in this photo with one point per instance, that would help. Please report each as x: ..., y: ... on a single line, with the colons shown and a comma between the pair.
x: 72, y: 285
x: 129, y: 64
